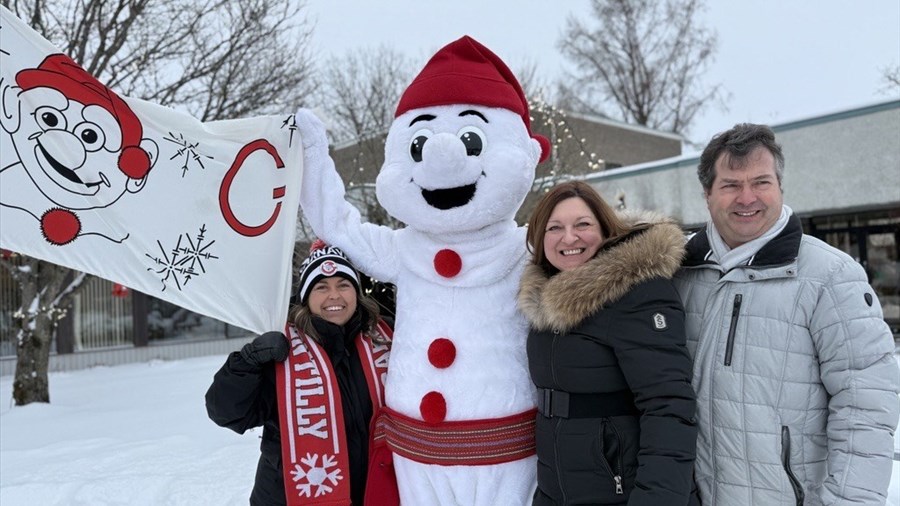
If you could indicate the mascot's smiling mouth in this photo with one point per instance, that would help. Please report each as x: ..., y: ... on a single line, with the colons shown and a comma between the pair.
x: 60, y: 168
x: 64, y: 171
x: 448, y: 198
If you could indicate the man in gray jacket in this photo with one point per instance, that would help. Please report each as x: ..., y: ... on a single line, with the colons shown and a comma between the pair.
x: 794, y: 370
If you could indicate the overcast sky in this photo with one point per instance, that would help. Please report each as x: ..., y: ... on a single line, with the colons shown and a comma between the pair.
x: 779, y: 60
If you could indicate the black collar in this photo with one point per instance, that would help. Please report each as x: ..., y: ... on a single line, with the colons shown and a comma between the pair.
x: 782, y: 249
x: 337, y: 339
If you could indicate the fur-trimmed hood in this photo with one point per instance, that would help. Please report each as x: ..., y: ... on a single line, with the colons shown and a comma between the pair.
x: 562, y: 301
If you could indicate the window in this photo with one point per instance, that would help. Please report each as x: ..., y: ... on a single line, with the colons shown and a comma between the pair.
x: 167, y: 322
x: 873, y: 240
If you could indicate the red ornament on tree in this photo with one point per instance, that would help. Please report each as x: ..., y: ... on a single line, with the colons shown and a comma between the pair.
x: 120, y: 290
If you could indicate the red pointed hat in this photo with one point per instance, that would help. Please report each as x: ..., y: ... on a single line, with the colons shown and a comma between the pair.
x: 466, y: 72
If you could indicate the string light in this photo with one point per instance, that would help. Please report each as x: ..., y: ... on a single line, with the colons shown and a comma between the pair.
x: 564, y: 143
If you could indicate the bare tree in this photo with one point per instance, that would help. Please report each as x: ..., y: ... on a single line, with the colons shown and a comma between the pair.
x: 213, y: 58
x: 890, y: 78
x: 45, y: 291
x: 361, y: 90
x: 533, y: 82
x: 359, y: 95
x: 640, y: 61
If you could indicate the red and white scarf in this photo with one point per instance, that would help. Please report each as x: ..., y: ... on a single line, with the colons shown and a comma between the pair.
x: 313, y: 443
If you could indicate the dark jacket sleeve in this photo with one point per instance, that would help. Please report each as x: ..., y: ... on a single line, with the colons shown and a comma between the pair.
x: 648, y: 330
x: 241, y: 396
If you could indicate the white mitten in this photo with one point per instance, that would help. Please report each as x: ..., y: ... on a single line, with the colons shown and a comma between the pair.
x: 312, y: 132
x: 321, y: 190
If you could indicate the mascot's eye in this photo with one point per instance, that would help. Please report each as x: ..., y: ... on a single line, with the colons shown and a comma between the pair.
x: 417, y: 144
x: 90, y: 135
x: 415, y: 148
x: 473, y: 138
x: 48, y: 117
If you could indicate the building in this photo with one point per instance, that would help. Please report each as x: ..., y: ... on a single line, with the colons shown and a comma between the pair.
x: 842, y: 178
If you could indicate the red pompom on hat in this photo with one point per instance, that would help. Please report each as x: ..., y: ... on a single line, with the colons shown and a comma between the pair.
x: 466, y: 72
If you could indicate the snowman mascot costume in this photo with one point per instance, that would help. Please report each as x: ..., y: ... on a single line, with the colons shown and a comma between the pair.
x: 459, y: 160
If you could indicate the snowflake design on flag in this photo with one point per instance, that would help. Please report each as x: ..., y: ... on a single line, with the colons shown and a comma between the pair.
x: 184, y: 261
x: 316, y: 476
x: 188, y: 151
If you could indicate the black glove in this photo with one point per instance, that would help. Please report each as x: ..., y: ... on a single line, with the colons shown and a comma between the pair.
x: 269, y: 347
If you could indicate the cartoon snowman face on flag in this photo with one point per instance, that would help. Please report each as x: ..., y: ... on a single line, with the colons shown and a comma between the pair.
x: 197, y: 214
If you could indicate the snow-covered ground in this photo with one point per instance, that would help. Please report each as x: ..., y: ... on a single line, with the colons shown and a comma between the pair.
x: 135, y: 435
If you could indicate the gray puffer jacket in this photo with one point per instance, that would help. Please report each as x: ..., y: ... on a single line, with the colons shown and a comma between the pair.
x: 795, y: 376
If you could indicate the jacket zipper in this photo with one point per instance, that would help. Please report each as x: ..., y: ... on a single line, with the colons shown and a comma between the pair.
x: 618, y: 476
x: 617, y: 472
x: 559, y: 478
x: 786, y: 462
x: 552, y: 353
x: 735, y: 313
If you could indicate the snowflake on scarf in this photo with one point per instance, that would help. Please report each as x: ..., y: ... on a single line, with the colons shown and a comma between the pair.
x: 316, y: 476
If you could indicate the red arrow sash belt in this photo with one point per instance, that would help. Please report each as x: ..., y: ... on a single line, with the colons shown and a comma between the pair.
x: 459, y: 443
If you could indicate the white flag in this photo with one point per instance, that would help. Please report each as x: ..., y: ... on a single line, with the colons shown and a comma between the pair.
x: 202, y: 215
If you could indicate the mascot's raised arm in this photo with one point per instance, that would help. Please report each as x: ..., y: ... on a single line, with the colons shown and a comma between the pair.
x: 459, y: 160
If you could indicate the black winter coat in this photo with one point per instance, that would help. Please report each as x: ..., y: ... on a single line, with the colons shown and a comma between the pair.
x: 613, y: 329
x: 242, y: 397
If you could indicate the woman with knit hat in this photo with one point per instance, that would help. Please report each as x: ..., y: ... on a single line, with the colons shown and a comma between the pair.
x: 313, y: 389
